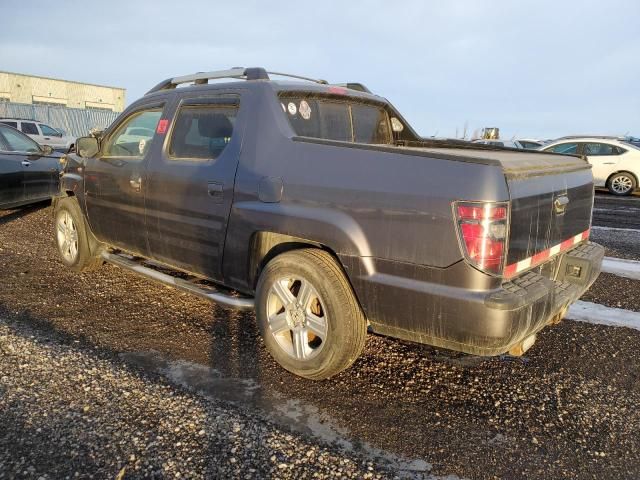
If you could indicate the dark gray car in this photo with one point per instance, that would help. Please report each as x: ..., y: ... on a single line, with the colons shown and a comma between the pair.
x: 321, y: 208
x: 29, y: 173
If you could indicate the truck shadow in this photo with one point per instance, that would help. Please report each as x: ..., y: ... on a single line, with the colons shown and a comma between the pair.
x: 9, y: 216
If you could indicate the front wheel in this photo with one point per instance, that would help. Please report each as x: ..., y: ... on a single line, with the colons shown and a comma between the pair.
x: 309, y: 317
x: 76, y: 246
x: 622, y: 183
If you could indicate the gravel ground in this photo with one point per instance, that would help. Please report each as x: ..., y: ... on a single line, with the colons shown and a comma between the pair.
x: 69, y: 411
x: 616, y: 212
x: 566, y: 410
x: 627, y: 292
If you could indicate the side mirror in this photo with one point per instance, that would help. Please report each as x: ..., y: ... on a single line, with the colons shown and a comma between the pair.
x: 46, y: 149
x: 87, y: 147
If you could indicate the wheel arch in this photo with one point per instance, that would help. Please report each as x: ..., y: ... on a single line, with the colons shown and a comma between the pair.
x: 266, y: 245
x: 635, y: 177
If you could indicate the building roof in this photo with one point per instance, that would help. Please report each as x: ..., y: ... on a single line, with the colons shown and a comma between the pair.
x: 62, y: 80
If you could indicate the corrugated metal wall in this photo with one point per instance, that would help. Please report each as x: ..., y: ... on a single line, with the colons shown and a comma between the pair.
x: 75, y: 121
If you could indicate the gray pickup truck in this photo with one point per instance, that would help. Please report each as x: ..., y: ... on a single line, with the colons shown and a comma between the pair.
x: 318, y: 206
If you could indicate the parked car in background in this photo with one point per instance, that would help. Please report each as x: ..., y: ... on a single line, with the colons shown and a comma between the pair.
x: 635, y: 141
x: 530, y: 143
x: 322, y: 208
x: 41, y: 133
x: 499, y: 143
x: 29, y: 173
x: 615, y: 163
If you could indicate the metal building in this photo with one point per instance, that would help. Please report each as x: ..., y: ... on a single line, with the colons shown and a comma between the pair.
x: 31, y: 89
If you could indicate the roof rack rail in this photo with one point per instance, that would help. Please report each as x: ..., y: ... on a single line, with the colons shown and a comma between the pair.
x: 254, y: 73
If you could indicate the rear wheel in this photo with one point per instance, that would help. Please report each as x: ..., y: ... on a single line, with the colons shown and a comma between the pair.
x: 77, y: 247
x: 622, y: 183
x: 309, y: 317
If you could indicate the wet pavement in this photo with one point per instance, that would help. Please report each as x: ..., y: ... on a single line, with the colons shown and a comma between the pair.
x: 568, y: 409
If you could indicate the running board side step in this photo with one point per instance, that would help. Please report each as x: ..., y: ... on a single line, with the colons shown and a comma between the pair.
x: 137, y: 265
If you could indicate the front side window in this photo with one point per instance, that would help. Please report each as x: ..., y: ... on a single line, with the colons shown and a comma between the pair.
x: 598, y: 149
x: 47, y: 130
x: 16, y: 142
x: 133, y: 137
x: 202, y: 131
x: 563, y: 148
x: 346, y: 120
x: 29, y: 128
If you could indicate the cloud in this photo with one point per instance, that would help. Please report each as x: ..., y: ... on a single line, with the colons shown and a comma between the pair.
x: 532, y: 68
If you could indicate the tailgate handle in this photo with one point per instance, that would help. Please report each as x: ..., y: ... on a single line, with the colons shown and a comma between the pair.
x: 560, y: 204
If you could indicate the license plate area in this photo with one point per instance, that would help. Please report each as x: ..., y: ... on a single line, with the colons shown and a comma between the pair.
x: 574, y: 270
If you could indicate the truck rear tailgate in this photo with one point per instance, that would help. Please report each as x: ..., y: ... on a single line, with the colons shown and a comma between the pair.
x: 551, y: 201
x: 546, y: 211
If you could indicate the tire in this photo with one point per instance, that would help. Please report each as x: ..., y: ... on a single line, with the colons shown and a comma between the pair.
x: 622, y: 183
x: 322, y: 330
x: 77, y: 247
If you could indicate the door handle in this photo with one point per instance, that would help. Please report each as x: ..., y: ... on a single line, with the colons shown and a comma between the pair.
x: 136, y: 184
x: 47, y: 138
x: 608, y: 163
x: 26, y: 163
x: 215, y: 191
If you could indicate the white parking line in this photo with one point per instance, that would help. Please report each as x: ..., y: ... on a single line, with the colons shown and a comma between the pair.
x: 601, y: 315
x: 621, y: 267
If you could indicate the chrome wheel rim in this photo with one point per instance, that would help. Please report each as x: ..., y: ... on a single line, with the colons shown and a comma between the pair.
x: 67, y: 235
x: 621, y: 184
x: 297, y: 317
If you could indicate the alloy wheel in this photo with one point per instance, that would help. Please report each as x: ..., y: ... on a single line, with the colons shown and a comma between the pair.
x: 67, y: 236
x: 297, y: 317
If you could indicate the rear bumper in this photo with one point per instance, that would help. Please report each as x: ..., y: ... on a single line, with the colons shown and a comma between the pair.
x: 492, y: 322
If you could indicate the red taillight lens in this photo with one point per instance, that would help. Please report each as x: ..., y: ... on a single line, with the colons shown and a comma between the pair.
x: 483, y: 233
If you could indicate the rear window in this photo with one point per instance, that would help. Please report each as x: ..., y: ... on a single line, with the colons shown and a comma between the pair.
x: 337, y: 119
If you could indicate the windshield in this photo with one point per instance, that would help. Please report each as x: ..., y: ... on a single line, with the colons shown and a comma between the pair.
x: 345, y: 120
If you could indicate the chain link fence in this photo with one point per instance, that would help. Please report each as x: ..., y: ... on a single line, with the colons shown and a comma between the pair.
x: 74, y: 121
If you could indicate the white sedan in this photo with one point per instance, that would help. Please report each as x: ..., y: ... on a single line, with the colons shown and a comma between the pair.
x: 616, y: 164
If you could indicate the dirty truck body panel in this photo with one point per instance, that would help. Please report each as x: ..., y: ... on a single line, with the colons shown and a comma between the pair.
x: 387, y: 213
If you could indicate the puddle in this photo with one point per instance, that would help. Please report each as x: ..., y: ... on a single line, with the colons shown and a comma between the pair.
x: 295, y: 414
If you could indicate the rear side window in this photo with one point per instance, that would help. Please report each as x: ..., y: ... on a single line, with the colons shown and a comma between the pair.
x: 563, y: 148
x: 29, y: 128
x: 202, y: 131
x: 11, y: 124
x: 337, y: 119
x: 597, y: 149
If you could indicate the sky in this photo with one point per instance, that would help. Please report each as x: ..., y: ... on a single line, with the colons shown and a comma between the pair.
x: 535, y: 69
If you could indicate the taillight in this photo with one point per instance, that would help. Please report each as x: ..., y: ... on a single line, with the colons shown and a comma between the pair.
x: 482, y: 228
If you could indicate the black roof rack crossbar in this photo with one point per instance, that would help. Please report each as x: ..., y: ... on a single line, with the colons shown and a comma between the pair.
x: 254, y: 73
